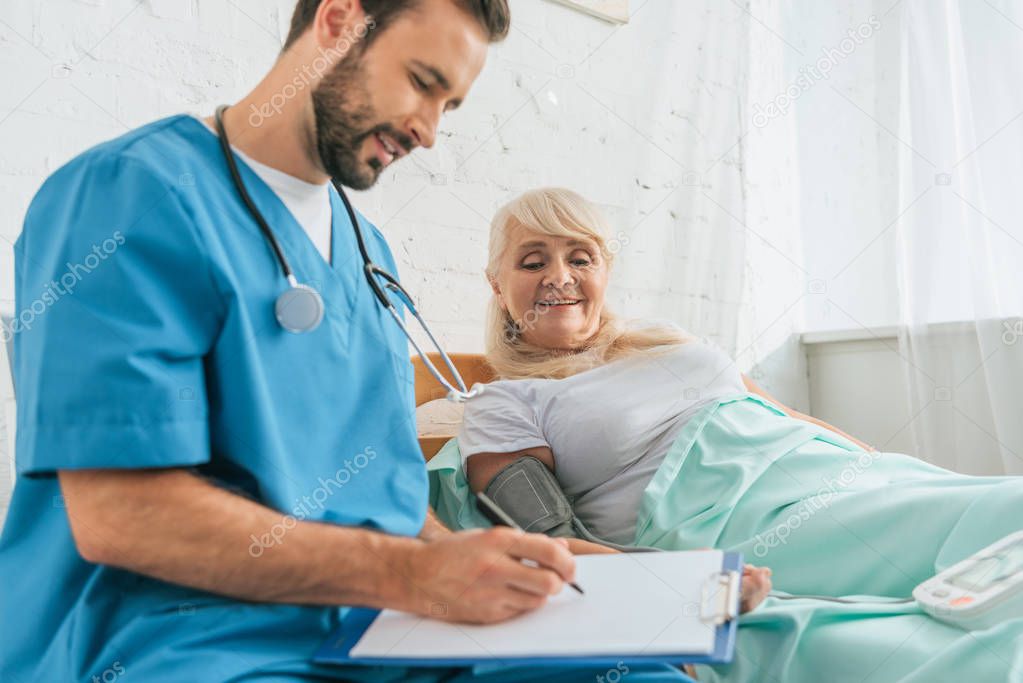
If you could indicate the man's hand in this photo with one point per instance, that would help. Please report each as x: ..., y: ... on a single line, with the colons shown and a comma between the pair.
x: 478, y: 576
x: 578, y: 546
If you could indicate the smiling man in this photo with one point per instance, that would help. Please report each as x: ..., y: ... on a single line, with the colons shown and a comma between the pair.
x: 202, y: 492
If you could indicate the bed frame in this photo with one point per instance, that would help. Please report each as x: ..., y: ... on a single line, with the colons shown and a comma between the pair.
x: 473, y: 368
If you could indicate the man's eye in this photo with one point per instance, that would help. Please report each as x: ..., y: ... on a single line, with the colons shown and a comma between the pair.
x: 419, y: 83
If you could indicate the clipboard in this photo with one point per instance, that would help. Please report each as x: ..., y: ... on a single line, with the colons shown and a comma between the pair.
x: 719, y: 608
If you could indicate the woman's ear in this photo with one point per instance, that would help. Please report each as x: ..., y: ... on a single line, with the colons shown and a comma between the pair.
x: 496, y: 288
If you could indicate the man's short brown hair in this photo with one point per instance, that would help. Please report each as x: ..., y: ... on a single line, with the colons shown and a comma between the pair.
x: 493, y: 15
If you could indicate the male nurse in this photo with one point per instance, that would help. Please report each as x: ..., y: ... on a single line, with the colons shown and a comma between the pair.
x: 202, y: 493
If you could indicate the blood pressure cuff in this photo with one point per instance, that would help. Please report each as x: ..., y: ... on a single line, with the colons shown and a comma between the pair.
x: 530, y: 494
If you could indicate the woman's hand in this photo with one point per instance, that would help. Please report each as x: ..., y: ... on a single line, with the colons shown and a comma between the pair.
x: 756, y: 581
x: 756, y: 584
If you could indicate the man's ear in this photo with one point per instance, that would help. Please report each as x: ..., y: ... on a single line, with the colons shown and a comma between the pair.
x: 335, y: 24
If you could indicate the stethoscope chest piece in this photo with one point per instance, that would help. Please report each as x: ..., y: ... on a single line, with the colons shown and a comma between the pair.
x: 299, y: 308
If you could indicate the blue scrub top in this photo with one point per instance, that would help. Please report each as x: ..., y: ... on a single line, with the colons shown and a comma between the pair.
x: 147, y: 339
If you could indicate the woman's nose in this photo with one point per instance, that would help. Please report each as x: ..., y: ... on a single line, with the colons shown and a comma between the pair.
x: 559, y: 275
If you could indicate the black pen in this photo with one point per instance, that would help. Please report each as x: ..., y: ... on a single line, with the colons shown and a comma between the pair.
x: 499, y: 517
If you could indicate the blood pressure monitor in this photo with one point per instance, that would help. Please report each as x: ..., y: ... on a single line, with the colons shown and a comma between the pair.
x: 982, y: 590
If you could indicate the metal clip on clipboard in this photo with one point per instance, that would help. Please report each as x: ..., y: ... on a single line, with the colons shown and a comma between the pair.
x: 719, y: 598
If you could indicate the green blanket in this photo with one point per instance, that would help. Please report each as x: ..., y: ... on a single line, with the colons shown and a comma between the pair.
x: 829, y: 519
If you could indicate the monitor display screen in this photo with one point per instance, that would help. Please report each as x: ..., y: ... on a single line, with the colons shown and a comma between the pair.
x: 985, y: 573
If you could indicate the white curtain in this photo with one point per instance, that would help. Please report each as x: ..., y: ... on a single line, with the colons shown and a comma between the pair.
x: 959, y: 244
x: 735, y: 216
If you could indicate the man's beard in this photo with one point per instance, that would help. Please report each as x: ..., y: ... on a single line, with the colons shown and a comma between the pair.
x: 343, y: 123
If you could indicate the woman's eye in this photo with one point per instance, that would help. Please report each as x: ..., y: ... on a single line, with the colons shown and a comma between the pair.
x: 532, y: 266
x: 581, y: 262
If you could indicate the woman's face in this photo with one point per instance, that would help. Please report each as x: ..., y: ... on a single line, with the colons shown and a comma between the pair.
x: 553, y: 287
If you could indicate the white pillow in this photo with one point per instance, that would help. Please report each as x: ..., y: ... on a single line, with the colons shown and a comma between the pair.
x: 439, y: 417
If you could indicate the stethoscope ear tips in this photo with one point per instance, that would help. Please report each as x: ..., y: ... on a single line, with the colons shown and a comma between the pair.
x: 299, y: 309
x: 462, y: 396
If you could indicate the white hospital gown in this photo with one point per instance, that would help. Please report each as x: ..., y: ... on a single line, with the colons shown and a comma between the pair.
x: 609, y: 428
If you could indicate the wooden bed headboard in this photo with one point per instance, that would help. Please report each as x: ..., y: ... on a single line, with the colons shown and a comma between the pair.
x: 473, y: 368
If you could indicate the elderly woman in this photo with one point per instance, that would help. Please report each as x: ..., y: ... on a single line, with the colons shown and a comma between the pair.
x: 606, y: 399
x: 657, y: 439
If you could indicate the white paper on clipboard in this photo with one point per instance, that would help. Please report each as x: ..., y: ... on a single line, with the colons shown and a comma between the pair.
x: 639, y: 603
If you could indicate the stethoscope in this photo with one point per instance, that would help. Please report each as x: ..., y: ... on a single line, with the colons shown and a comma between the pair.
x: 300, y: 307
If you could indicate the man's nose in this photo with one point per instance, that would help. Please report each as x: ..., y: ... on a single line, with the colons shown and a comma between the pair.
x: 424, y: 127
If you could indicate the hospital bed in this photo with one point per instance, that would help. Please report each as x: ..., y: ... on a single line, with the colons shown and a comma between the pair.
x: 438, y: 419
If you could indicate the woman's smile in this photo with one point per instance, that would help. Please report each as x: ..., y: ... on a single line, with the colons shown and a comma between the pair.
x: 552, y: 287
x: 557, y: 303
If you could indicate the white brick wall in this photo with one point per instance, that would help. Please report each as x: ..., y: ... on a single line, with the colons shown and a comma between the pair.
x: 643, y: 118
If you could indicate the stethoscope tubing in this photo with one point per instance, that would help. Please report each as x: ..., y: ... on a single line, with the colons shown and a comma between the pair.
x: 370, y: 270
x: 236, y: 177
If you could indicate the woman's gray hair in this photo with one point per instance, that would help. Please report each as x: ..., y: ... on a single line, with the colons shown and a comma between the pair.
x: 558, y: 212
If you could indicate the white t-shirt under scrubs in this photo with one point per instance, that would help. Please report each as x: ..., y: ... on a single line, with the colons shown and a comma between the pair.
x: 608, y: 428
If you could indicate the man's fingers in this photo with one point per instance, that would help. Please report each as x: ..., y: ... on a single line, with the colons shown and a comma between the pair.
x: 521, y: 602
x: 510, y: 611
x: 545, y: 552
x: 531, y: 580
